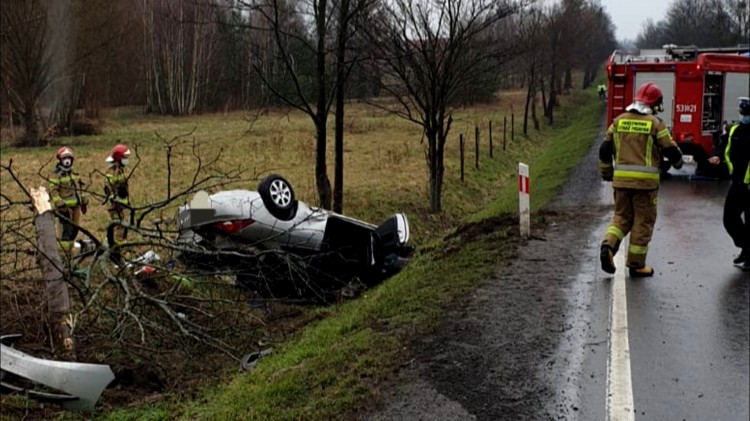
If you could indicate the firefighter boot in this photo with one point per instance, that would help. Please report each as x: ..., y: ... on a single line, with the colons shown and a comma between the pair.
x: 607, y: 259
x: 641, y: 272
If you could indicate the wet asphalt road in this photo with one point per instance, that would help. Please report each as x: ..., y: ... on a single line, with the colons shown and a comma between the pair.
x: 533, y: 343
x: 688, y: 326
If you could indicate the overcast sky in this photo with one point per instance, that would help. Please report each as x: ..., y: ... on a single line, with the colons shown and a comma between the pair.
x: 629, y: 15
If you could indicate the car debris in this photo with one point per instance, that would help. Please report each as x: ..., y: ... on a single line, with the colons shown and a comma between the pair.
x: 249, y: 361
x: 81, y: 384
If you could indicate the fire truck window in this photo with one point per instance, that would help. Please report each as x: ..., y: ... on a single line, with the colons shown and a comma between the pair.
x: 712, y: 100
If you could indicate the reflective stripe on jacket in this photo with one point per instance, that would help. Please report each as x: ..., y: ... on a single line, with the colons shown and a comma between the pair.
x: 117, y: 186
x: 66, y: 189
x: 638, y: 140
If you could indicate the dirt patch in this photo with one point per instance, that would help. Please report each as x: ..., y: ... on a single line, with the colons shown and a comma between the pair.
x: 473, y: 231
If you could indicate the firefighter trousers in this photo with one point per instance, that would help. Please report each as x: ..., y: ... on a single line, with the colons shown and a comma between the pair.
x: 117, y: 213
x: 635, y: 213
x: 738, y: 202
x: 69, y: 220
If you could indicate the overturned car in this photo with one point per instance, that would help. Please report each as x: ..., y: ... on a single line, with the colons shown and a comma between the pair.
x: 280, y: 246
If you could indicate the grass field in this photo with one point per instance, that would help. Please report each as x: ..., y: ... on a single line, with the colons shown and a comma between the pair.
x: 336, y: 365
x: 385, y: 169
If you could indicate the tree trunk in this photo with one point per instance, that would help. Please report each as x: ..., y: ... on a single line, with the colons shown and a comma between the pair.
x: 529, y: 92
x: 58, y: 300
x: 341, y: 76
x: 321, y: 115
x: 437, y: 134
x: 590, y: 75
x: 338, y: 177
x: 533, y: 108
x: 553, y: 86
x: 322, y: 182
x: 31, y: 137
x: 568, y: 81
x: 544, y: 96
x: 432, y: 161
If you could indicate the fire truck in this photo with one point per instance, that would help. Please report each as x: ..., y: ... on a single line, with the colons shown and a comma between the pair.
x: 700, y: 88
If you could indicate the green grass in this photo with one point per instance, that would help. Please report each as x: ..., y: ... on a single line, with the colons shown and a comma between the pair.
x: 336, y: 365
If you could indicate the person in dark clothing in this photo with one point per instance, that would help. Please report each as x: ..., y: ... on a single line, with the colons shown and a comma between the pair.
x: 602, y: 90
x: 736, y: 157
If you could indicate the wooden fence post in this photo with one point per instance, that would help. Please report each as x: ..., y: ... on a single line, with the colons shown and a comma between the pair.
x: 505, y: 129
x: 512, y: 127
x: 476, y: 146
x: 58, y: 299
x: 490, y: 133
x: 461, y: 149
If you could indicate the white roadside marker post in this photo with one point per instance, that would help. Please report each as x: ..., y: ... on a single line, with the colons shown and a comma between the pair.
x: 524, y: 210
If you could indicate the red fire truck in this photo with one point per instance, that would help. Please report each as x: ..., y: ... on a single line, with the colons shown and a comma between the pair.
x: 700, y: 87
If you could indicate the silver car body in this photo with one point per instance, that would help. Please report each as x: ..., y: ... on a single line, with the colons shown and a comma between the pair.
x: 304, y: 232
x: 83, y: 382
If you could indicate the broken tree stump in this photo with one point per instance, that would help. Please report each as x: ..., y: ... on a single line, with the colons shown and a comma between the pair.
x: 58, y: 299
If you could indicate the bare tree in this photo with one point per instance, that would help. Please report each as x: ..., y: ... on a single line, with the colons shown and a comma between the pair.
x: 50, y: 50
x: 704, y: 23
x: 428, y: 53
x: 554, y: 48
x: 303, y: 59
x: 530, y: 28
x: 27, y: 58
x: 599, y: 42
x: 179, y: 42
x: 313, y: 61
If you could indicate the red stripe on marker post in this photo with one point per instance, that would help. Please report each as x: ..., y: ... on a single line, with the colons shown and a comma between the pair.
x: 523, y: 184
x: 524, y: 210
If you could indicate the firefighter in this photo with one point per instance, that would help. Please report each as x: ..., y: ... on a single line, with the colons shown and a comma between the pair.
x: 68, y: 198
x: 116, y: 189
x: 635, y: 141
x: 736, y: 157
x: 602, y: 90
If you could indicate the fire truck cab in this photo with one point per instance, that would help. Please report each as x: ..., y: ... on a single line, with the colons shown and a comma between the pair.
x: 700, y: 88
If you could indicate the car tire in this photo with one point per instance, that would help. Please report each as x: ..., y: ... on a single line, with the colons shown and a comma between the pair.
x: 278, y: 197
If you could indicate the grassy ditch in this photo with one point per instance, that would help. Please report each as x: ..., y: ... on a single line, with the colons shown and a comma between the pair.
x: 336, y: 365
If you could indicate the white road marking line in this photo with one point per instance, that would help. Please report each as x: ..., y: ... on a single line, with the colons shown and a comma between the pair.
x: 619, y: 381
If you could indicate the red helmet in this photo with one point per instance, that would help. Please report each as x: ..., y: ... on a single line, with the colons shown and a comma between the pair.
x: 64, y: 152
x: 650, y: 94
x: 118, y: 153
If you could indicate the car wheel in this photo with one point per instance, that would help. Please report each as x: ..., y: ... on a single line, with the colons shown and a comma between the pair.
x: 278, y: 197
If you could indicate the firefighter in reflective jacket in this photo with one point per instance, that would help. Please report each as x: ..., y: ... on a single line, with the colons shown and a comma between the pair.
x: 116, y: 188
x: 635, y: 141
x: 67, y: 198
x: 602, y: 90
x: 736, y: 156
